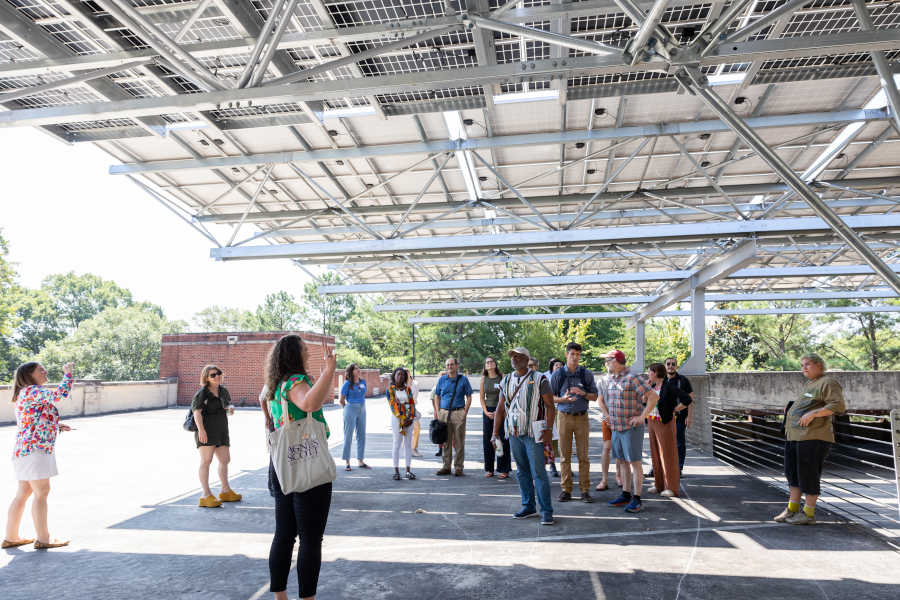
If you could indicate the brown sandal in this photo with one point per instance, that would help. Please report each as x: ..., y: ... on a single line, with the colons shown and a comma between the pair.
x: 11, y: 544
x: 54, y: 544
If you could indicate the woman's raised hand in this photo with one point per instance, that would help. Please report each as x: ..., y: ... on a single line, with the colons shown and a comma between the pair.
x: 330, y: 356
x: 67, y: 368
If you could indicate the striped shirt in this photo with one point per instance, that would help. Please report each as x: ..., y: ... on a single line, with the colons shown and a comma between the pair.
x: 625, y: 398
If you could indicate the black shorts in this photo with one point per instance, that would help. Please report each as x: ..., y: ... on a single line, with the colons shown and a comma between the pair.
x: 803, y: 462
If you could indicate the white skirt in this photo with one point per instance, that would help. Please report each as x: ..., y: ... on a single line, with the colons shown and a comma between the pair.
x: 37, y: 465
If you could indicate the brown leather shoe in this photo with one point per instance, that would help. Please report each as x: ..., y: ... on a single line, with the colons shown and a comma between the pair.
x: 16, y: 543
x: 54, y: 544
x: 458, y: 473
x: 442, y: 472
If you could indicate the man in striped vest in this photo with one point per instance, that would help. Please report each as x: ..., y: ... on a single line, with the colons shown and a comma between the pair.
x: 527, y: 410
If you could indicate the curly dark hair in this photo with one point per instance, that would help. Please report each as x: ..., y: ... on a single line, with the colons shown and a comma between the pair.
x: 285, y: 359
x: 396, y: 377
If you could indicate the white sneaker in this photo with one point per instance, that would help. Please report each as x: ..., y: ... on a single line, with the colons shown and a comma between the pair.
x: 667, y: 493
x: 653, y: 490
x: 417, y: 454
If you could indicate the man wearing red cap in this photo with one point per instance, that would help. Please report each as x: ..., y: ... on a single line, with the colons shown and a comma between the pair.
x: 625, y: 412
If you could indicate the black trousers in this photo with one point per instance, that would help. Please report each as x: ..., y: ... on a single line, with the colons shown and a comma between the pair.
x: 680, y: 428
x: 304, y: 515
x: 504, y: 463
x: 803, y: 463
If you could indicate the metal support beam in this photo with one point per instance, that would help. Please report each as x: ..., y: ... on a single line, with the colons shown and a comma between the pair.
x: 709, y: 37
x: 514, y: 302
x: 360, y: 56
x: 809, y: 310
x: 636, y: 46
x: 885, y: 72
x: 272, y: 40
x: 68, y: 81
x: 764, y: 21
x: 565, y: 41
x: 694, y: 81
x: 180, y: 59
x: 579, y: 199
x: 45, y: 116
x: 533, y: 239
x: 198, y: 12
x: 717, y: 269
x: 583, y: 280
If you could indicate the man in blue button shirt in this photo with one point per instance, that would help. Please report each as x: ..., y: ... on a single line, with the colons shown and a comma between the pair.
x: 452, y: 397
x: 573, y: 387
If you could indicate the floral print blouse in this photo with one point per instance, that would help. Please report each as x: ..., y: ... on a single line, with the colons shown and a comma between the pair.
x: 37, y: 418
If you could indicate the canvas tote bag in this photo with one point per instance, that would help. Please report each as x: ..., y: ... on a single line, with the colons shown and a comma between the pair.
x: 299, y: 451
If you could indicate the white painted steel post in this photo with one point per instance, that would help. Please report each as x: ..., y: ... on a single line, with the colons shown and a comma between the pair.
x: 696, y: 364
x: 640, y: 343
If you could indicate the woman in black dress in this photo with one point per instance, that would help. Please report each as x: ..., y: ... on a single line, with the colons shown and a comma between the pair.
x: 211, y: 406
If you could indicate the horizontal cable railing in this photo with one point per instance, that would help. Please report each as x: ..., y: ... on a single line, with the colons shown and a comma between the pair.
x: 859, y: 477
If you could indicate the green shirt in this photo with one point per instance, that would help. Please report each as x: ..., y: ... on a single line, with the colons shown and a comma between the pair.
x: 294, y: 413
x: 824, y: 392
x: 491, y: 392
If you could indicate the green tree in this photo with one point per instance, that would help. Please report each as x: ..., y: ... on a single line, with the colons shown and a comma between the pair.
x: 118, y: 344
x: 278, y: 312
x: 10, y: 355
x: 37, y: 319
x: 77, y: 298
x: 7, y: 284
x: 223, y: 318
x: 667, y: 337
x: 328, y: 311
x: 730, y: 342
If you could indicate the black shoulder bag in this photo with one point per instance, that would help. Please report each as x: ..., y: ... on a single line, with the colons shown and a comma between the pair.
x: 437, y: 430
x: 189, y: 424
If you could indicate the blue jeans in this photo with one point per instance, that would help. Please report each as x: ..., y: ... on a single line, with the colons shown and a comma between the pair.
x: 531, y: 473
x: 355, y: 418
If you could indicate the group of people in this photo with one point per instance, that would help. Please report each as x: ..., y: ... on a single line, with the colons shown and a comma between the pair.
x: 523, y: 412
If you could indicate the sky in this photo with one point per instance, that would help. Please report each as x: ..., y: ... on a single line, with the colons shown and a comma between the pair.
x: 61, y: 211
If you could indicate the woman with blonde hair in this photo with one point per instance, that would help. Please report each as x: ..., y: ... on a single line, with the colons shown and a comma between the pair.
x: 211, y: 406
x: 37, y: 425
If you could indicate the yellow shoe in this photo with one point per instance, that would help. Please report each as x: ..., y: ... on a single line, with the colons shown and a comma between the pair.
x: 230, y: 496
x: 209, y: 502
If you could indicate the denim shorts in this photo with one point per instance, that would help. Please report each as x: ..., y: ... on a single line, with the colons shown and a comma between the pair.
x: 627, y: 445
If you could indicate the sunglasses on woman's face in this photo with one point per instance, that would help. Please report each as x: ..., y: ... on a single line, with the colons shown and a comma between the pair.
x: 216, y: 374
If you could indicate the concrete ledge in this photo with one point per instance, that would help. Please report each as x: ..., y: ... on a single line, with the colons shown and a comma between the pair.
x: 93, y: 397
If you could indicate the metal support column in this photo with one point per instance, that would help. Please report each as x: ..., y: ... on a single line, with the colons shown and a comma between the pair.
x: 885, y: 72
x: 413, y: 370
x: 640, y: 343
x: 695, y: 82
x: 696, y: 364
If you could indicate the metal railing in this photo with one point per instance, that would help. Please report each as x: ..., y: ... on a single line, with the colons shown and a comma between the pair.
x: 860, y: 473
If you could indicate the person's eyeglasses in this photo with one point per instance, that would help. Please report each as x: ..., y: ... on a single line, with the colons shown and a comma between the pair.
x: 216, y: 374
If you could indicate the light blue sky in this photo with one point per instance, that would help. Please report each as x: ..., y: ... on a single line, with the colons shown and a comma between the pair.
x: 60, y: 211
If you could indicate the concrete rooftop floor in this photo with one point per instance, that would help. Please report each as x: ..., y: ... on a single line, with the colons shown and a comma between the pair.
x: 127, y: 493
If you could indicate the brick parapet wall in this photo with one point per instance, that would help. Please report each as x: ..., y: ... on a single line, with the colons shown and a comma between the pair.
x: 241, y: 356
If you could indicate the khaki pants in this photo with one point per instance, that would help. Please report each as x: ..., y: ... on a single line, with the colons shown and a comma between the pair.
x: 579, y: 427
x: 664, y: 455
x: 456, y: 437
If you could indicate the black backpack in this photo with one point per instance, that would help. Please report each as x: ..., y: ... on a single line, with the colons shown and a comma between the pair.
x: 189, y: 424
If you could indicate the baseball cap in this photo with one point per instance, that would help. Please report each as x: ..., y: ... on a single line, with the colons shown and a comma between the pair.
x: 618, y: 355
x: 519, y: 350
